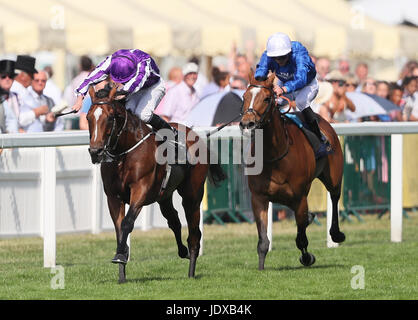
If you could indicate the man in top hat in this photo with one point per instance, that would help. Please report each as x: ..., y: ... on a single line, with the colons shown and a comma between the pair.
x: 29, y: 110
x: 9, y: 105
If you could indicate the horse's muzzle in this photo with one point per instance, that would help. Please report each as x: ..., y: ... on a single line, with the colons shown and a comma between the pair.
x: 247, y: 126
x: 96, y: 155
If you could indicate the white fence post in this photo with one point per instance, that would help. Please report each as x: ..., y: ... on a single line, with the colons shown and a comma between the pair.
x: 270, y: 225
x: 201, y: 229
x: 396, y: 205
x: 48, y: 184
x: 97, y: 192
x: 330, y: 243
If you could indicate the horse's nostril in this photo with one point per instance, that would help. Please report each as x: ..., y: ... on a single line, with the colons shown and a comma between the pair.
x: 95, y: 151
x: 251, y: 125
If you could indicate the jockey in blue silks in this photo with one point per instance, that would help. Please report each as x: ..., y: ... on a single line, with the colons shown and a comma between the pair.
x: 293, y: 66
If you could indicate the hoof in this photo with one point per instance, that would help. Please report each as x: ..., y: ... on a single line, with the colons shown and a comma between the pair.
x: 184, y: 253
x: 307, y: 259
x: 120, y: 258
x: 338, y: 237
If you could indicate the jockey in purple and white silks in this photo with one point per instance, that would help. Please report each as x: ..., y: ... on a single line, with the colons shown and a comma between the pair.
x: 137, y: 75
x: 293, y: 66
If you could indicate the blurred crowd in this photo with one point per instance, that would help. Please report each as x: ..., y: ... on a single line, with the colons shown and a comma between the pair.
x: 335, y: 85
x: 29, y: 98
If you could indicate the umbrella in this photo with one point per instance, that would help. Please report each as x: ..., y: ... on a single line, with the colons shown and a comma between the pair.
x: 229, y: 108
x: 365, y: 106
x: 216, y: 108
x: 385, y: 103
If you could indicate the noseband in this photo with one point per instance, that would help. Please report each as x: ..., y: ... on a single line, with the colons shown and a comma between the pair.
x: 260, y: 122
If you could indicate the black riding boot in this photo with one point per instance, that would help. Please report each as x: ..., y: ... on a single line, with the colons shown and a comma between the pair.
x: 158, y: 123
x: 313, y: 123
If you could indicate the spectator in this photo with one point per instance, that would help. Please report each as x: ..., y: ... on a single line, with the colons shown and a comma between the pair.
x: 182, y: 97
x: 395, y: 95
x: 85, y: 67
x: 51, y: 89
x: 382, y: 89
x: 321, y: 103
x: 240, y: 63
x: 26, y: 113
x: 201, y: 81
x: 9, y: 105
x: 339, y: 103
x: 362, y: 72
x: 344, y: 66
x: 369, y: 86
x: 407, y: 71
x: 238, y: 83
x: 411, y: 99
x: 415, y: 72
x: 175, y: 76
x: 82, y: 122
x: 322, y: 68
x: 35, y: 99
x: 350, y: 83
x: 219, y: 83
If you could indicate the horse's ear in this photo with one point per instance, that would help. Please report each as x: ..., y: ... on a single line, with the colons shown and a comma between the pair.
x: 112, y: 91
x: 270, y: 79
x: 92, y: 93
x: 251, y: 75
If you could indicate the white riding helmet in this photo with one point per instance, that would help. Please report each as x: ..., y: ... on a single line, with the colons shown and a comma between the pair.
x: 278, y: 44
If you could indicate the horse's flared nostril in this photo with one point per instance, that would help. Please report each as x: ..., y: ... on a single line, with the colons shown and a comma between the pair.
x: 251, y: 125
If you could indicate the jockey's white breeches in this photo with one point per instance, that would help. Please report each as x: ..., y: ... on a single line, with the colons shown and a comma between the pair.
x: 143, y: 102
x: 303, y: 97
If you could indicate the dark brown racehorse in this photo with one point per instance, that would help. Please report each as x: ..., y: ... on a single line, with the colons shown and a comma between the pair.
x: 126, y: 149
x: 289, y: 167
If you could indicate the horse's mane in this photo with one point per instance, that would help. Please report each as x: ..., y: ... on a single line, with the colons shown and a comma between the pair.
x: 104, y: 93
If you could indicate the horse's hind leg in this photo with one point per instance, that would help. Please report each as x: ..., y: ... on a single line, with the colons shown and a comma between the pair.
x: 302, y: 221
x: 171, y: 214
x: 192, y: 197
x: 260, y: 207
x: 335, y: 192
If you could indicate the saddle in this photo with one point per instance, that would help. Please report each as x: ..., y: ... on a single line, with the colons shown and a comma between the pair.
x: 320, y: 149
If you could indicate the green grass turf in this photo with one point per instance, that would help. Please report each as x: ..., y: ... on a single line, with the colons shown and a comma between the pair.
x: 227, y: 269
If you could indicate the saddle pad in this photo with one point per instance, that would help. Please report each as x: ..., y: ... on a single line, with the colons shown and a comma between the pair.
x: 315, y: 143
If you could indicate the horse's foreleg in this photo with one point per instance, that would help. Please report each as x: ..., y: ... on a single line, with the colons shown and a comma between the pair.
x: 127, y: 225
x: 171, y: 214
x: 117, y: 212
x: 260, y: 208
x: 302, y: 221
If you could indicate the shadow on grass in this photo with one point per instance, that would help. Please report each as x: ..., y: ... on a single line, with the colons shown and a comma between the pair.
x: 325, y: 266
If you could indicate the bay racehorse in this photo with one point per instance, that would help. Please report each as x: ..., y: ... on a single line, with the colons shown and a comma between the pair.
x: 289, y: 167
x: 126, y: 148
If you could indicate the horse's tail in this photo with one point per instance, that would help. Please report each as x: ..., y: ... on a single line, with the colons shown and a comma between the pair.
x: 216, y: 174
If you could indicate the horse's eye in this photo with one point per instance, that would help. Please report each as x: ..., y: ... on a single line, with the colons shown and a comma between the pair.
x: 267, y: 100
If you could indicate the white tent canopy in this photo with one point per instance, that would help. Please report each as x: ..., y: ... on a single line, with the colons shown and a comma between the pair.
x: 185, y: 27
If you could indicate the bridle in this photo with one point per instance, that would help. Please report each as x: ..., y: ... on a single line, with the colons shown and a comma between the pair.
x: 260, y: 123
x: 109, y: 148
x: 272, y: 103
x: 272, y: 99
